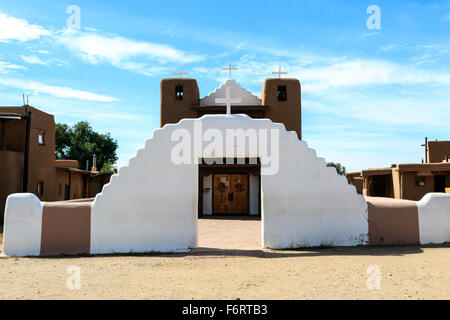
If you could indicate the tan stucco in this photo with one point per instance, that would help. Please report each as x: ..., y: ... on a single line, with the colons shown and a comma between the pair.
x: 11, y: 165
x: 66, y: 228
x: 438, y: 151
x: 288, y: 112
x: 172, y: 110
x: 393, y: 222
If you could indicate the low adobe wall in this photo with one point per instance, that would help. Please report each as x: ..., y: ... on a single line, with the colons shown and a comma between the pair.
x: 404, y: 222
x: 35, y: 228
x: 434, y: 218
x: 393, y: 222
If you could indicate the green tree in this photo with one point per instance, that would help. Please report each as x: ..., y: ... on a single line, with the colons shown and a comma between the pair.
x: 339, y: 168
x: 81, y: 142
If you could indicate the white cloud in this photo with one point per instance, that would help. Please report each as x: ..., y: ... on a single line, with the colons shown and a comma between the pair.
x: 36, y: 60
x: 6, y: 67
x: 136, y: 56
x: 32, y: 60
x: 338, y: 73
x: 366, y: 72
x: 62, y: 92
x: 12, y: 28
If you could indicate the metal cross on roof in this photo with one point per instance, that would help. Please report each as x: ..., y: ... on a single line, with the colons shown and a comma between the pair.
x: 279, y: 73
x: 180, y: 73
x: 230, y: 69
x: 228, y: 100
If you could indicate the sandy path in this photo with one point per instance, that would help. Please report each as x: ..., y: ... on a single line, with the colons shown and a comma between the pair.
x: 407, y: 273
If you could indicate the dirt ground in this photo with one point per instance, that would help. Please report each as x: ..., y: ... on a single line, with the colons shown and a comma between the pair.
x: 337, y: 273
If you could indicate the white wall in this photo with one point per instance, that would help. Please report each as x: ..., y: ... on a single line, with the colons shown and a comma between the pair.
x: 23, y: 225
x: 207, y: 197
x: 254, y: 195
x: 308, y: 204
x: 151, y: 204
x: 145, y: 208
x: 434, y: 218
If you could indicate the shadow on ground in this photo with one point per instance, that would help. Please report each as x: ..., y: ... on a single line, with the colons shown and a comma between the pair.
x: 204, y: 253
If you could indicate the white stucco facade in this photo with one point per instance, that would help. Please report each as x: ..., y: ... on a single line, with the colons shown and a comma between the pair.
x: 307, y: 204
x: 23, y: 225
x: 247, y: 98
x: 434, y: 218
x: 151, y: 205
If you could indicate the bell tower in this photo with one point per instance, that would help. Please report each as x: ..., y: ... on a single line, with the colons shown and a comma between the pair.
x: 283, y: 98
x: 178, y: 95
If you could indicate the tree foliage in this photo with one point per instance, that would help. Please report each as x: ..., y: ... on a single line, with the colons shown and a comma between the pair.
x: 339, y: 168
x: 81, y: 142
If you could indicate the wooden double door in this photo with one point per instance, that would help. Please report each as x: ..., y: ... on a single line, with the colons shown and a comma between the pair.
x: 231, y: 194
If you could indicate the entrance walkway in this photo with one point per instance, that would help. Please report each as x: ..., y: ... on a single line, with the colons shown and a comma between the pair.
x: 243, y: 233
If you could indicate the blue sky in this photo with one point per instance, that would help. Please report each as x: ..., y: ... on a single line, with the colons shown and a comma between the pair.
x: 369, y: 96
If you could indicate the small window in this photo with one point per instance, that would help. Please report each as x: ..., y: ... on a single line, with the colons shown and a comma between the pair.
x: 282, y: 93
x: 179, y: 93
x: 41, y: 139
x: 40, y: 188
x: 66, y: 192
x: 420, y: 181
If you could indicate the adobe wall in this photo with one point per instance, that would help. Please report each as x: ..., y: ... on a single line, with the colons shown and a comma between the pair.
x: 434, y: 218
x: 393, y: 222
x: 67, y: 163
x: 11, y: 164
x: 42, y: 157
x: 438, y: 150
x: 172, y: 110
x: 35, y: 228
x: 15, y: 135
x: 288, y: 112
x: 410, y: 191
x: 318, y: 208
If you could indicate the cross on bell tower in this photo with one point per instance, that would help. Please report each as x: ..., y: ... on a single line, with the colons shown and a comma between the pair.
x: 180, y: 73
x: 279, y: 73
x: 230, y: 68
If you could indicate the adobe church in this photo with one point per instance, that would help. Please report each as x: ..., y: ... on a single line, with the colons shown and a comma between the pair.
x: 153, y: 203
x: 232, y: 190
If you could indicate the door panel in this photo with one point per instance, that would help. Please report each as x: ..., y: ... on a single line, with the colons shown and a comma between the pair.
x: 231, y: 194
x: 239, y: 189
x: 222, y: 190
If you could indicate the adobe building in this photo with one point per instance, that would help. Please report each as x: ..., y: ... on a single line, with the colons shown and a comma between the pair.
x: 233, y: 189
x: 27, y: 160
x: 73, y: 183
x: 408, y: 181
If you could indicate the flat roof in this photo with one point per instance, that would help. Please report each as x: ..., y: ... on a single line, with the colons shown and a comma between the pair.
x: 376, y: 171
x: 407, y: 167
x: 92, y: 173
